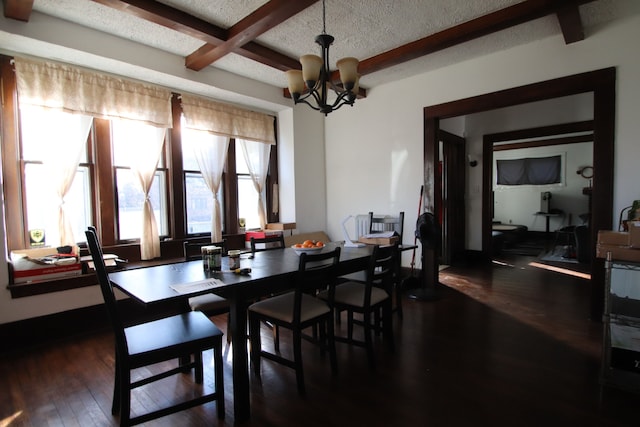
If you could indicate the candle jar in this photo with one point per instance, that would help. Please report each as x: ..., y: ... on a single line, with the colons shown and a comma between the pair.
x: 234, y: 259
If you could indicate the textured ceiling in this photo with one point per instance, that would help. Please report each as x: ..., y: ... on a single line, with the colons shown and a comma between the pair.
x: 362, y: 29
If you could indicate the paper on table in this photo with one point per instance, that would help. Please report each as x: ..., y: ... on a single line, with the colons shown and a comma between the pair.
x: 381, y: 234
x: 187, y: 288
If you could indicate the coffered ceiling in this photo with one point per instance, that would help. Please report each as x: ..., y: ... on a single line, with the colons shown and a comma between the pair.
x: 393, y: 39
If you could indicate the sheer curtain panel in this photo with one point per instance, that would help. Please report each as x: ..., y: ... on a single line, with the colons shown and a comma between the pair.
x: 256, y: 154
x: 210, y: 151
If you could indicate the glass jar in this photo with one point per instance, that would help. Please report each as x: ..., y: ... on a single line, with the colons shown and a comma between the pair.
x: 212, y: 258
x: 234, y: 259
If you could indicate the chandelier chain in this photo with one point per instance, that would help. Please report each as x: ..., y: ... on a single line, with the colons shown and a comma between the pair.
x: 324, y: 18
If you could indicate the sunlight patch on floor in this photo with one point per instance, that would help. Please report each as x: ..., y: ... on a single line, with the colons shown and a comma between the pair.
x: 561, y: 270
x: 6, y: 422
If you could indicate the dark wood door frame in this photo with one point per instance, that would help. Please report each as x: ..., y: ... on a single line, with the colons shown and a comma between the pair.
x: 454, y: 177
x: 602, y: 83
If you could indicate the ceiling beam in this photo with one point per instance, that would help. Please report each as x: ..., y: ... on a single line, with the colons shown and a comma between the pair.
x: 178, y: 20
x: 18, y: 9
x: 571, y: 24
x: 262, y: 19
x: 519, y: 13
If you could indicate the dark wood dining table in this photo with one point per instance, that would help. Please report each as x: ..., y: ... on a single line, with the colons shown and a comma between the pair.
x: 271, y: 272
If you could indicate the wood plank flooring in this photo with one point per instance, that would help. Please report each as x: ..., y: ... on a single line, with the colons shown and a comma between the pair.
x: 505, y: 345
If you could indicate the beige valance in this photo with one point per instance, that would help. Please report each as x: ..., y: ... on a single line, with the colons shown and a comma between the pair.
x: 71, y: 89
x: 227, y: 120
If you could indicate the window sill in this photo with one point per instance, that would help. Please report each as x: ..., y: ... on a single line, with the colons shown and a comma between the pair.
x: 21, y: 290
x: 171, y: 249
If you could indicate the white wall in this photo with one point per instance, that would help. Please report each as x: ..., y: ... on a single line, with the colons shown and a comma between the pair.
x: 375, y: 150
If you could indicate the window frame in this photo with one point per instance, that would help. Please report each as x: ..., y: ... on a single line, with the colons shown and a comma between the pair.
x: 103, y: 178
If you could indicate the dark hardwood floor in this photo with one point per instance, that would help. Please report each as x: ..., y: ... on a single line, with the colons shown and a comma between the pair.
x: 508, y: 345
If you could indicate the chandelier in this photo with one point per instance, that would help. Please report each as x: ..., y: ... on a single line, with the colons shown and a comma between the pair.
x: 316, y: 76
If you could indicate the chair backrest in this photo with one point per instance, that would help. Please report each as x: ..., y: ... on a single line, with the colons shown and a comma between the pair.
x: 193, y: 250
x: 382, y: 270
x: 107, y: 288
x: 380, y: 224
x: 317, y: 271
x: 275, y: 241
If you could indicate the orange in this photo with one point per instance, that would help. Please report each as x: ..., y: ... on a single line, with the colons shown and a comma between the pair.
x: 307, y: 242
x: 298, y: 245
x: 319, y: 244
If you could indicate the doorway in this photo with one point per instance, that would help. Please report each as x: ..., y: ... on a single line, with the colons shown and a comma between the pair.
x: 602, y: 84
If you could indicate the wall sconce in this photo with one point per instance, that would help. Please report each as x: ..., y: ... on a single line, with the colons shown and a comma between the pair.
x: 473, y: 163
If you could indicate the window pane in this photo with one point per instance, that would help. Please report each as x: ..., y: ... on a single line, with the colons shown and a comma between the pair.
x: 248, y: 202
x: 46, y: 133
x: 199, y: 204
x: 42, y: 203
x: 241, y: 164
x: 131, y: 202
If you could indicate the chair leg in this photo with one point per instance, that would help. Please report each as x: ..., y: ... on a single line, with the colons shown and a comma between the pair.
x: 254, y: 334
x: 219, y: 378
x: 125, y: 398
x: 399, y: 299
x: 297, y: 360
x: 331, y: 342
x: 368, y: 339
x: 276, y: 337
x: 198, y: 371
x: 349, y: 324
x: 115, y: 405
x: 387, y: 324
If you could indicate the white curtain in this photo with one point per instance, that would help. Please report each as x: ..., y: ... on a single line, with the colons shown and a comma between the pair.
x: 256, y: 154
x: 211, y: 154
x: 67, y: 136
x: 73, y: 89
x: 145, y: 155
x: 228, y: 121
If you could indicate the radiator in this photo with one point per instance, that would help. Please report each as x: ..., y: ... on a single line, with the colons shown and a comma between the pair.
x: 362, y: 226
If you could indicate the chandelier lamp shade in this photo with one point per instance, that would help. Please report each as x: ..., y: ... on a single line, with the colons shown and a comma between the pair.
x: 313, y: 85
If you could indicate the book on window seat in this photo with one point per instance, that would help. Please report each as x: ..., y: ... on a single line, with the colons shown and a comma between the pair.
x: 35, y: 265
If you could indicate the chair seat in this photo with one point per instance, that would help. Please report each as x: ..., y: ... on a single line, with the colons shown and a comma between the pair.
x: 191, y: 328
x: 281, y: 307
x: 352, y: 293
x: 208, y: 302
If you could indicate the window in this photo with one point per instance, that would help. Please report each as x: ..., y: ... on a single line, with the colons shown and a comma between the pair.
x: 530, y: 171
x: 247, y: 194
x: 105, y: 189
x: 49, y: 138
x: 137, y: 147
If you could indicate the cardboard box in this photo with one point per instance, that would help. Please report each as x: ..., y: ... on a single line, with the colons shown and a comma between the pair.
x: 382, y: 241
x: 614, y: 238
x: 281, y: 226
x: 28, y: 266
x: 621, y: 253
x: 634, y: 234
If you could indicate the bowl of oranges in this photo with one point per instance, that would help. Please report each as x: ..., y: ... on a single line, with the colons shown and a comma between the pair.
x: 308, y: 246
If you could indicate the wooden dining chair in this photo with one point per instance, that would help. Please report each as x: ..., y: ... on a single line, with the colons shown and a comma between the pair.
x: 297, y: 311
x: 266, y: 243
x: 210, y: 304
x: 368, y: 298
x: 144, y: 344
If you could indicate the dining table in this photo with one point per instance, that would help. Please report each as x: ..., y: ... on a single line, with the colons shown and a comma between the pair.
x: 271, y: 272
